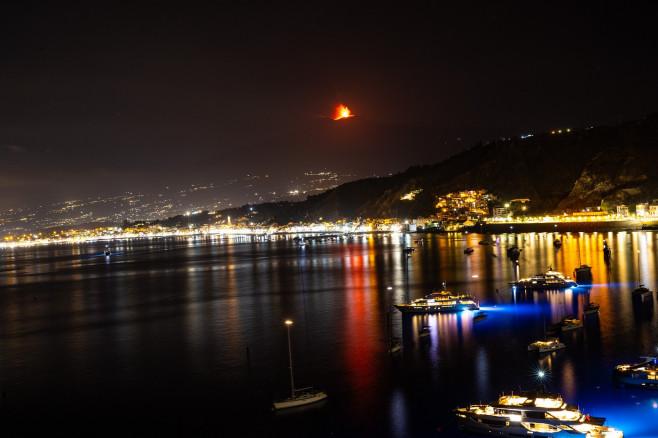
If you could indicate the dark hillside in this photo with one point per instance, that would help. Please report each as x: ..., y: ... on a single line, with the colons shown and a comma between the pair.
x: 589, y: 167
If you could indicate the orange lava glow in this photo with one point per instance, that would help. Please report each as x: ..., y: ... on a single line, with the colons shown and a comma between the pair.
x: 342, y: 112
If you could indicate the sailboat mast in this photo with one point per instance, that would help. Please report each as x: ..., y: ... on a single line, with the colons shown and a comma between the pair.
x: 292, y: 381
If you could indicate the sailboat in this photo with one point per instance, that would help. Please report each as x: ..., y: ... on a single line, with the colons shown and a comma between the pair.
x: 641, y: 292
x: 298, y: 397
x: 394, y: 344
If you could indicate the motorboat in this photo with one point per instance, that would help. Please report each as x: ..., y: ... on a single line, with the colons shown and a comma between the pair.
x: 583, y: 274
x: 557, y: 243
x: 643, y: 293
x: 424, y: 331
x: 301, y: 397
x: 439, y: 302
x: 548, y: 280
x: 607, y: 251
x: 479, y: 316
x: 640, y: 375
x: 591, y: 309
x: 546, y: 346
x: 469, y: 251
x: 395, y: 345
x: 568, y: 324
x: 513, y: 252
x: 531, y: 414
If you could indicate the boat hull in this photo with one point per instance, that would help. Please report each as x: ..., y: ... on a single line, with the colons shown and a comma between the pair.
x: 543, y: 286
x: 643, y: 294
x: 627, y: 381
x: 542, y: 350
x: 300, y: 400
x: 395, y: 347
x: 408, y: 308
x: 583, y: 275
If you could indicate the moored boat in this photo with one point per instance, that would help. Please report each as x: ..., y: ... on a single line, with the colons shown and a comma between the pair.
x: 607, y: 251
x: 567, y: 323
x: 591, y: 309
x: 643, y: 293
x: 395, y: 345
x: 546, y: 346
x: 513, y: 252
x: 583, y: 274
x: 548, y: 280
x: 640, y: 375
x: 439, y: 302
x: 531, y: 414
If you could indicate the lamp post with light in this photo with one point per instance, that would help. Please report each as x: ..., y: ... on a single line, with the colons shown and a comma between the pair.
x: 292, y: 382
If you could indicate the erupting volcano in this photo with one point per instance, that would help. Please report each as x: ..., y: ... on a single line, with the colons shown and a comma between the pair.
x: 342, y: 112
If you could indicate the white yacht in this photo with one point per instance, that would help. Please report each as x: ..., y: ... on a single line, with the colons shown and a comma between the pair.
x: 532, y: 414
x: 440, y: 302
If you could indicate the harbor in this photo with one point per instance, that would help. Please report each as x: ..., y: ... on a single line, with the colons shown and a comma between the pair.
x: 185, y: 336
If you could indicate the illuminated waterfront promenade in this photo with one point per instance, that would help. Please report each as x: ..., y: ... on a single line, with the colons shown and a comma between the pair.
x: 559, y: 224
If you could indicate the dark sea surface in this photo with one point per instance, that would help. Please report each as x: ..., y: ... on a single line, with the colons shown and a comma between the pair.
x: 185, y: 336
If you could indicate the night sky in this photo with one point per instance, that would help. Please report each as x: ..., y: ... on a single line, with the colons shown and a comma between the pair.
x: 99, y: 97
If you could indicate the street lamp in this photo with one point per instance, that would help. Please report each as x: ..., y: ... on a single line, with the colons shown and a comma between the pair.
x: 292, y: 382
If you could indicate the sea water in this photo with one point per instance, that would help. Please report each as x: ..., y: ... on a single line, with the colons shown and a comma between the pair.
x: 185, y: 336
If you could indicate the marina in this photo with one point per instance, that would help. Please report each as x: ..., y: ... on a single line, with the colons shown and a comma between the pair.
x: 185, y: 336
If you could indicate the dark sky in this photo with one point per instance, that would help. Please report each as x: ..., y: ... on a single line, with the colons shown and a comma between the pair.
x: 102, y: 96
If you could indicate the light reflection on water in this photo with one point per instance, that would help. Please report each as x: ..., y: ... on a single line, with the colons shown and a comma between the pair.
x: 205, y: 315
